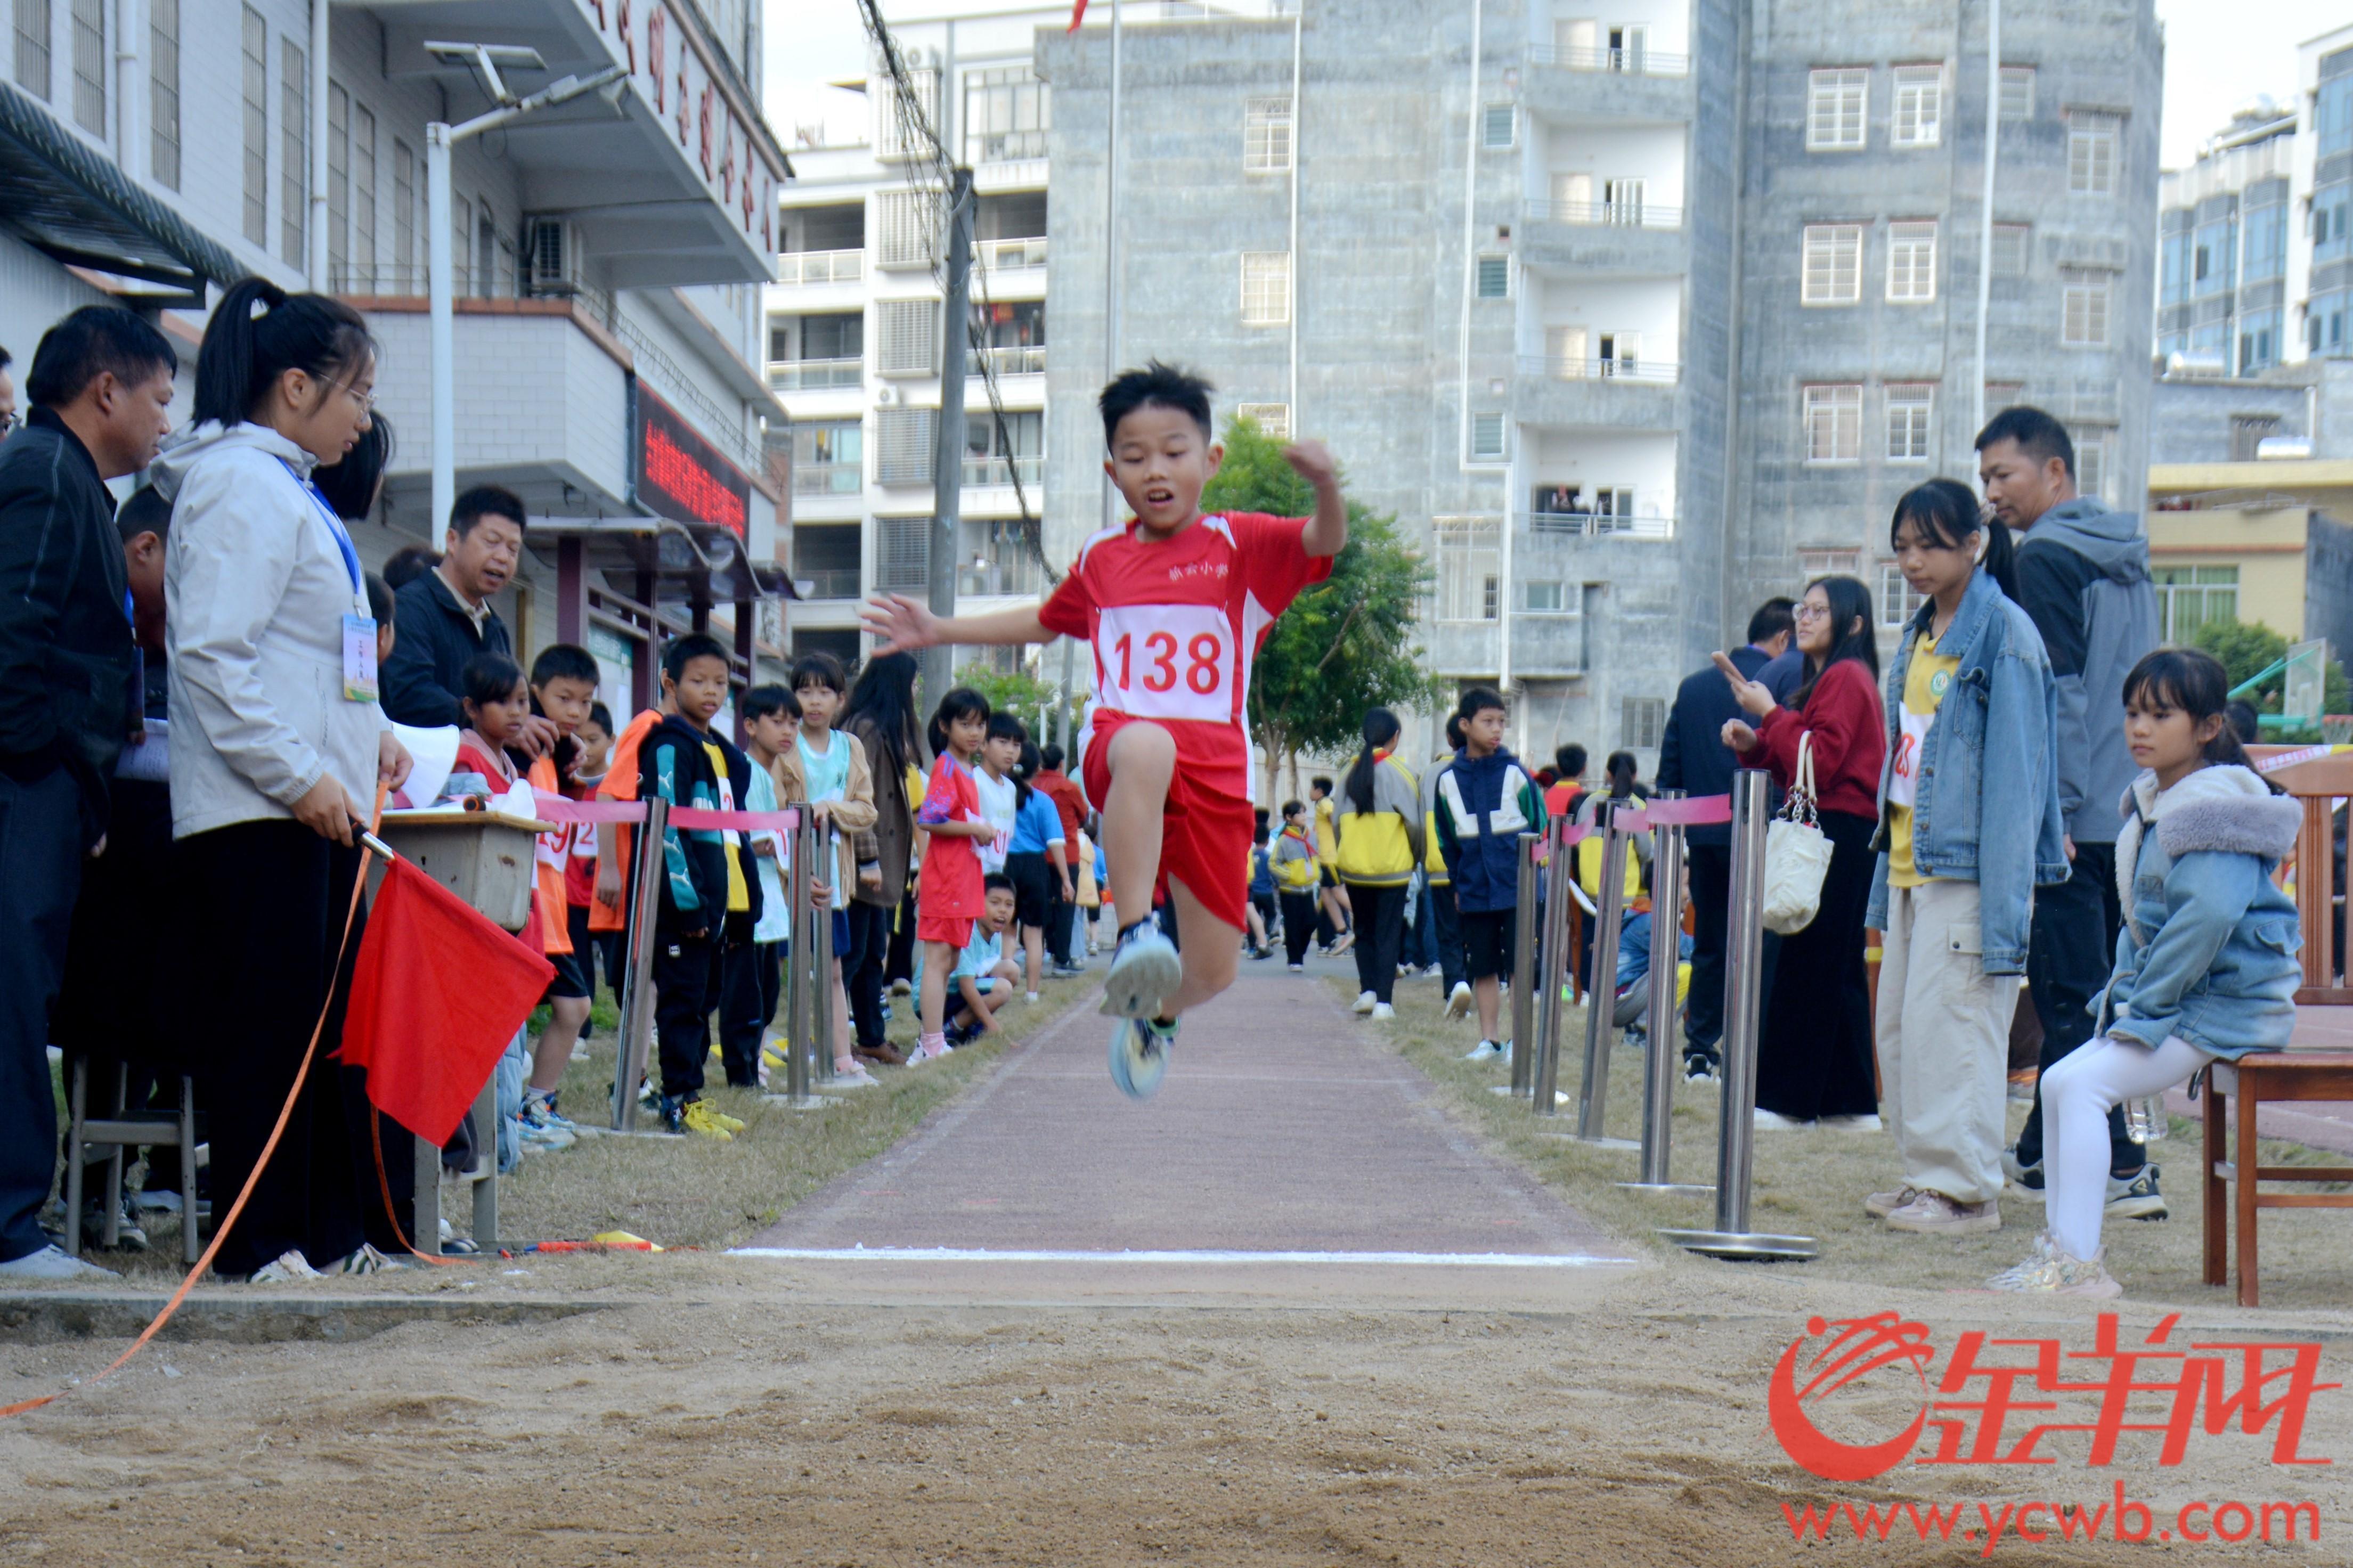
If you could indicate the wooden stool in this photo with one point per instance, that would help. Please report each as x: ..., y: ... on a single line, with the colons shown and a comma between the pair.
x: 2250, y: 1080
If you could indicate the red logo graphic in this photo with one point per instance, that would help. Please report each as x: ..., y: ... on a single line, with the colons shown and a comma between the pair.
x: 1983, y: 1394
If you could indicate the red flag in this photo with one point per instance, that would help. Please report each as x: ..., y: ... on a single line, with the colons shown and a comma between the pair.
x: 436, y: 994
x: 1078, y: 14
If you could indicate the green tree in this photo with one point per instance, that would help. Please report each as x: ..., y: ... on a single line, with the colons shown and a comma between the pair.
x: 2246, y: 651
x: 1016, y: 691
x: 1347, y: 644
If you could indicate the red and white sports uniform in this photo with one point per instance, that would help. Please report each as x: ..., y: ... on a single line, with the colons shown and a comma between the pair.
x: 1173, y: 625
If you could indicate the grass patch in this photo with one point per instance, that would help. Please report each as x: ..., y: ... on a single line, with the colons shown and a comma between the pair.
x: 1814, y: 1183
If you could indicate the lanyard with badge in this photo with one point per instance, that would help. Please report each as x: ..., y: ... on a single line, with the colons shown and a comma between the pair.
x: 359, y: 627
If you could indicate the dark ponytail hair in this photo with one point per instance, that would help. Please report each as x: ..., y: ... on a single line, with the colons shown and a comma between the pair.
x: 2193, y: 681
x: 1946, y: 511
x: 350, y: 485
x: 258, y: 333
x: 1381, y: 729
x: 1850, y: 602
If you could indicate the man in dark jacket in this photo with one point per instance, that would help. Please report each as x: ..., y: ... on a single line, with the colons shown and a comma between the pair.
x: 444, y: 620
x: 1694, y: 758
x: 2082, y: 576
x: 101, y: 389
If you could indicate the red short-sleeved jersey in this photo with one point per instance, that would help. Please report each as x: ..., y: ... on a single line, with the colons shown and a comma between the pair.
x: 1174, y: 623
x: 952, y: 886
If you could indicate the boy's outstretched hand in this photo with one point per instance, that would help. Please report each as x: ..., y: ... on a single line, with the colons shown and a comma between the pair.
x: 902, y: 624
x: 1314, y: 462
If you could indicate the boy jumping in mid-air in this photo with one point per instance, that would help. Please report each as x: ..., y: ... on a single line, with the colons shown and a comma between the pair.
x: 1175, y: 606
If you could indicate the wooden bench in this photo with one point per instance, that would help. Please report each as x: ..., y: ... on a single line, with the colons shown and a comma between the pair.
x: 2244, y: 1084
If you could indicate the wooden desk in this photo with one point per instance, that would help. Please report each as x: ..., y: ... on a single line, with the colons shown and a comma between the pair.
x: 2249, y: 1081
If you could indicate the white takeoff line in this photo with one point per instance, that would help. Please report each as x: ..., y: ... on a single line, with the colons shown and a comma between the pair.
x: 1212, y: 1255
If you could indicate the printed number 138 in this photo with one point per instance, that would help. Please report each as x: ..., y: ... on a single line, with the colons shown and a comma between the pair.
x: 1203, y: 670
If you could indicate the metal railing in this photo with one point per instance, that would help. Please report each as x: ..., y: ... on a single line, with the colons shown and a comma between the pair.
x: 1017, y: 360
x: 821, y: 266
x: 1594, y: 525
x: 1657, y: 373
x: 1623, y: 62
x: 830, y: 582
x: 1010, y: 255
x: 1018, y: 575
x: 391, y: 281
x: 829, y: 479
x: 1004, y: 146
x: 809, y: 374
x: 1001, y: 470
x: 1608, y: 215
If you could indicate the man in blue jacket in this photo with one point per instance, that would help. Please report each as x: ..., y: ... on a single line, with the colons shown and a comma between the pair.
x: 1694, y: 758
x: 2082, y: 577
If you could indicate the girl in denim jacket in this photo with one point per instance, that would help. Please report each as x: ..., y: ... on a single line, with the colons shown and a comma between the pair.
x: 1968, y: 827
x: 2206, y: 964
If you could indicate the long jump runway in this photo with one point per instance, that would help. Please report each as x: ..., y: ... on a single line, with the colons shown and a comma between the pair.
x: 1291, y: 1158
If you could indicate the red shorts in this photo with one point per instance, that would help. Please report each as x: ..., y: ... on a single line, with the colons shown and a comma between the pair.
x: 1205, y: 833
x: 953, y: 929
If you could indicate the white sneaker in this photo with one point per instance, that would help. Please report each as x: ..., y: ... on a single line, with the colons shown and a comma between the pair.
x: 1774, y: 1121
x: 1030, y: 997
x: 854, y: 1076
x: 1366, y: 1001
x: 1485, y: 1050
x: 1865, y: 1123
x: 53, y: 1263
x: 1435, y: 971
x: 1144, y: 972
x: 1457, y: 1001
x: 1383, y: 1012
x: 290, y: 1268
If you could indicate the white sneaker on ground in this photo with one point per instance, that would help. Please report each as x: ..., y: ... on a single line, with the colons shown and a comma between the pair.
x: 1030, y: 997
x: 854, y: 1076
x: 1383, y: 1012
x: 1457, y: 1001
x: 1435, y: 971
x: 1867, y: 1123
x: 1365, y: 1002
x: 53, y: 1263
x: 2049, y: 1271
x: 290, y: 1268
x: 1934, y: 1214
x: 1485, y: 1050
x: 1298, y: 969
x: 1774, y: 1121
x: 1879, y: 1206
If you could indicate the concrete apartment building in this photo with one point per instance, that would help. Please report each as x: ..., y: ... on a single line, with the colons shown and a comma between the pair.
x: 854, y: 330
x: 2222, y: 247
x: 1635, y: 317
x: 608, y: 255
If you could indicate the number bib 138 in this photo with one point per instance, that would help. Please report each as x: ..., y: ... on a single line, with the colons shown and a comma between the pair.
x: 1168, y: 661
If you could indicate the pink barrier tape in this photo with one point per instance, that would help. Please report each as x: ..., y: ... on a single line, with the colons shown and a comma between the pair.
x: 696, y: 817
x: 1704, y: 811
x: 1573, y: 836
x: 2290, y: 759
x: 559, y: 808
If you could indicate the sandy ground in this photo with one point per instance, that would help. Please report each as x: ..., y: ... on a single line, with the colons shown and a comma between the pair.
x: 724, y: 1409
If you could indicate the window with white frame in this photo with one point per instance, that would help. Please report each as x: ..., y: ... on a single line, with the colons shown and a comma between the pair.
x: 1266, y: 288
x: 894, y: 134
x: 2009, y: 241
x: 1488, y: 438
x: 2091, y: 153
x: 2018, y: 93
x: 1898, y: 600
x: 1836, y: 101
x: 1642, y: 722
x: 909, y: 224
x: 1833, y: 264
x: 294, y: 153
x: 1005, y: 114
x: 906, y: 337
x: 1496, y: 125
x: 1272, y: 419
x: 364, y: 191
x: 164, y: 92
x: 1909, y: 407
x: 255, y: 57
x: 1494, y: 279
x: 1470, y: 566
x: 1919, y: 117
x: 33, y: 38
x: 89, y: 65
x: 2092, y: 463
x: 1912, y: 262
x: 339, y: 178
x: 2083, y: 316
x: 1548, y: 596
x: 1814, y: 563
x: 905, y: 440
x: 1833, y: 424
x: 1266, y: 136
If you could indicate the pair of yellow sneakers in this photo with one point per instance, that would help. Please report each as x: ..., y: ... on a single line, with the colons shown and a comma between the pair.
x: 701, y: 1116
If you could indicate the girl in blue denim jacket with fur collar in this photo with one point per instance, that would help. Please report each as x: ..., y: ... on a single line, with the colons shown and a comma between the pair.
x: 2206, y: 963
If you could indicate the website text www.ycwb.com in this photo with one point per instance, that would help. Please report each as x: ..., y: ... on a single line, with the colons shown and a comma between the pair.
x: 1994, y: 1525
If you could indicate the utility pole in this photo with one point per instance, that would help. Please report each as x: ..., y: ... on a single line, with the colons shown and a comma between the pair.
x: 947, y: 457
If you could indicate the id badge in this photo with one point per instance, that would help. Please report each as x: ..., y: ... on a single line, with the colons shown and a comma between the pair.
x: 359, y: 658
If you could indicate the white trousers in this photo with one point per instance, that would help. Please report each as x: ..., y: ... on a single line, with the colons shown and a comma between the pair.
x: 1944, y: 1042
x: 2078, y: 1092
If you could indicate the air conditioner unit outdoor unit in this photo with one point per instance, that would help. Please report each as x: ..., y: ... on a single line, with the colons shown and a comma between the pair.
x: 886, y: 397
x: 552, y: 256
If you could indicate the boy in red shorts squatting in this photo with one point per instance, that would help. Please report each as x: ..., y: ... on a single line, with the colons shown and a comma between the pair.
x: 1175, y: 606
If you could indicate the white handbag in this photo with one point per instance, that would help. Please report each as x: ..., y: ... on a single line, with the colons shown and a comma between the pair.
x: 1797, y: 855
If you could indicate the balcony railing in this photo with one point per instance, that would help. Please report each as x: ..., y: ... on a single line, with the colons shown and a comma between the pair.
x: 1653, y: 372
x: 392, y: 280
x: 1004, y: 146
x: 1625, y: 62
x: 821, y: 266
x: 1609, y: 215
x: 1594, y: 525
x: 1001, y: 470
x: 808, y: 374
x: 1011, y: 255
x: 1019, y: 574
x: 829, y: 479
x: 1028, y: 360
x: 829, y: 581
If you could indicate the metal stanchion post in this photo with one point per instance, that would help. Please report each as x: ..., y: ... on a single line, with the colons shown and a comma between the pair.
x: 638, y: 976
x: 827, y: 871
x: 1524, y: 966
x: 798, y: 990
x: 1601, y: 992
x: 1659, y: 1064
x: 1743, y: 986
x: 1552, y: 965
